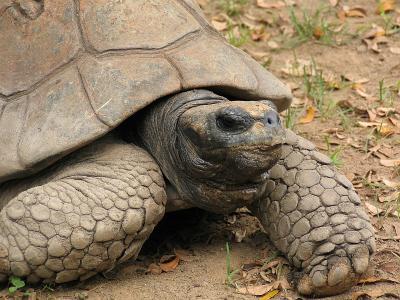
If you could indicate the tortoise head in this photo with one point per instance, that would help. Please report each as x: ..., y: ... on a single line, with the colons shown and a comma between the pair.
x: 214, y: 151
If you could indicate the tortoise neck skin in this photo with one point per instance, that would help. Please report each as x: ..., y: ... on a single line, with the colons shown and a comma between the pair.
x: 215, y: 152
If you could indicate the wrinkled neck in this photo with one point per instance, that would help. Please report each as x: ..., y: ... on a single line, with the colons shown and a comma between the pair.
x: 159, y: 133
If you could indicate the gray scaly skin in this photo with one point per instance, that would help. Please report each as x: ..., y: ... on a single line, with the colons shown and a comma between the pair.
x: 96, y: 207
x: 86, y: 214
x: 313, y: 215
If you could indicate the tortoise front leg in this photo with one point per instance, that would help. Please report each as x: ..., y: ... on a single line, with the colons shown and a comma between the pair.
x: 86, y: 214
x: 313, y: 215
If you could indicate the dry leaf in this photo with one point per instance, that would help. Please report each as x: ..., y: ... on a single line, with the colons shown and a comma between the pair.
x: 390, y: 162
x: 385, y: 6
x: 376, y: 31
x: 271, y: 264
x: 395, y: 50
x: 309, y: 117
x: 368, y: 124
x: 394, y: 122
x: 373, y: 209
x: 357, y: 12
x: 258, y: 55
x: 318, y: 32
x: 169, y: 263
x: 298, y: 67
x: 391, y: 184
x: 341, y: 14
x: 269, y: 4
x: 154, y: 269
x: 270, y: 295
x: 385, y: 130
x: 390, y: 198
x: 183, y: 255
x: 397, y: 228
x: 260, y: 35
x: 374, y: 279
x: 374, y: 44
x: 363, y: 93
x: 371, y: 115
x: 255, y: 290
x: 389, y: 267
x: 374, y: 294
x: 219, y: 25
x: 273, y: 45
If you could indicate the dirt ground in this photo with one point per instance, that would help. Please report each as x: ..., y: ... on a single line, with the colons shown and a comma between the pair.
x: 342, y: 61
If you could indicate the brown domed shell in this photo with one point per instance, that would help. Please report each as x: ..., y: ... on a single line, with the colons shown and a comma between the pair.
x: 79, y: 68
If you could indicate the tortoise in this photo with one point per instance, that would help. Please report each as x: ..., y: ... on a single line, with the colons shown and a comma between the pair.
x: 113, y: 112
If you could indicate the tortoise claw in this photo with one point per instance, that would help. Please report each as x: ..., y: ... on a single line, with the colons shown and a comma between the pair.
x: 334, y: 275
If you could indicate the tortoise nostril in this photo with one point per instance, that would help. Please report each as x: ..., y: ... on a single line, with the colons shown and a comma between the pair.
x: 272, y: 119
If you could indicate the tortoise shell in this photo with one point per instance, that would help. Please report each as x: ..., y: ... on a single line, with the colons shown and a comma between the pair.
x: 71, y: 71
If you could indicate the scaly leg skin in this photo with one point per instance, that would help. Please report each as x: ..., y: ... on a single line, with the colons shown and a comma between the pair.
x: 313, y: 215
x: 83, y: 216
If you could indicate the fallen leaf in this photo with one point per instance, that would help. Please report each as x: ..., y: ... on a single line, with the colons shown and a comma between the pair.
x: 255, y: 290
x: 374, y: 294
x: 260, y: 35
x: 395, y: 50
x: 282, y: 284
x: 385, y: 130
x: 373, y: 209
x: 397, y: 228
x: 371, y: 115
x: 299, y: 67
x: 390, y: 162
x: 318, y: 32
x: 309, y: 117
x: 258, y: 55
x: 363, y: 94
x: 390, y: 198
x: 154, y: 269
x: 394, y: 122
x: 273, y: 44
x: 391, y: 184
x: 374, y: 279
x: 368, y: 124
x: 219, y: 25
x: 356, y: 12
x: 271, y: 264
x: 376, y: 31
x: 183, y: 255
x: 384, y: 111
x: 269, y: 4
x: 374, y: 43
x: 385, y: 6
x: 169, y: 263
x: 270, y: 295
x: 389, y: 267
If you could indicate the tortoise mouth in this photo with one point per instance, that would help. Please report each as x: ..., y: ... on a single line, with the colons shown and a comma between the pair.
x: 262, y: 149
x: 251, y: 186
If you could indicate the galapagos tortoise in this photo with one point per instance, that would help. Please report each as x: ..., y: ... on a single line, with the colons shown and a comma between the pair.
x: 101, y: 100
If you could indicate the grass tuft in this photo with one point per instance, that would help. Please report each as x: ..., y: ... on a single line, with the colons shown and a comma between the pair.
x: 311, y: 26
x: 232, y: 7
x: 229, y: 272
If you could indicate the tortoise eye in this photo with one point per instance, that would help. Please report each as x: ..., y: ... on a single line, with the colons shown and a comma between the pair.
x: 233, y: 120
